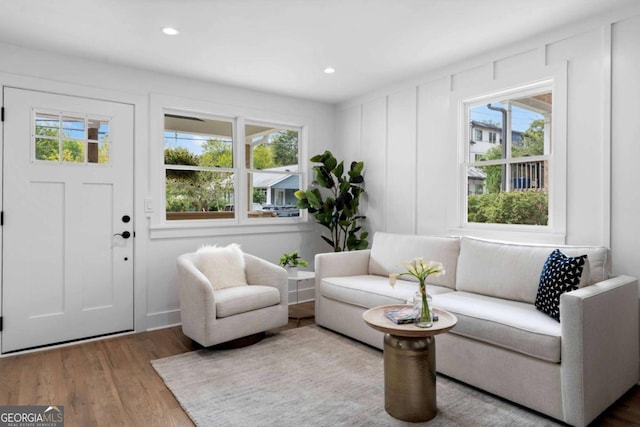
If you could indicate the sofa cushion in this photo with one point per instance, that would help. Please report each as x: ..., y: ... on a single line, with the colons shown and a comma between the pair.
x: 560, y: 274
x: 389, y: 251
x: 240, y: 299
x: 371, y: 291
x: 512, y: 271
x: 223, y: 266
x: 512, y: 325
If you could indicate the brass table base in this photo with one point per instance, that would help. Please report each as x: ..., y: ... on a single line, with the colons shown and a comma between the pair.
x: 410, y: 377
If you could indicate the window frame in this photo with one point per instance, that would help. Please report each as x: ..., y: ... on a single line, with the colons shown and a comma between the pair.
x: 85, y: 140
x: 300, y: 173
x: 553, y: 78
x: 155, y: 203
x: 216, y: 169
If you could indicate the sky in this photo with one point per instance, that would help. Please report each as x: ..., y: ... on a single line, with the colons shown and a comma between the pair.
x: 520, y: 118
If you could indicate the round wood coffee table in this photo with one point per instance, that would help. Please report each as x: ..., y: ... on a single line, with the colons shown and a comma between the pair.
x: 409, y: 363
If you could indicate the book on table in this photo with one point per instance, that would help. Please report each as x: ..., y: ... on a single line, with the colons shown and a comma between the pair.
x: 405, y: 315
x: 401, y: 315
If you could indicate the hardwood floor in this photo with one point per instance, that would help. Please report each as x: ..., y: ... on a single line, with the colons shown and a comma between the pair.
x: 111, y: 382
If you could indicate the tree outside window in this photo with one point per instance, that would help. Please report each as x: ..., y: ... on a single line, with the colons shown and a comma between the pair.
x: 202, y: 170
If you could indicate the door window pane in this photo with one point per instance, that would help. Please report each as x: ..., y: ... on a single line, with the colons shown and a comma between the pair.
x: 98, y: 146
x: 73, y: 128
x: 47, y: 125
x: 47, y: 149
x: 73, y: 151
x: 71, y: 138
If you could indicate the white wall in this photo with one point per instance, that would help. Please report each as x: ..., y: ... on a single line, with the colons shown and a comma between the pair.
x: 407, y: 135
x: 156, y: 300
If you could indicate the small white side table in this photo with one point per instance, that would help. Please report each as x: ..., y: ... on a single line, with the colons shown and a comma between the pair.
x: 297, y: 278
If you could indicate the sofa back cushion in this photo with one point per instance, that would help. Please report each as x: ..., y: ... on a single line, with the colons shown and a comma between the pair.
x: 389, y: 251
x: 512, y: 271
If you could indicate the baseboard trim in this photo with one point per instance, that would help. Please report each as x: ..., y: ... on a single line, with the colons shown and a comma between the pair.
x: 163, y: 319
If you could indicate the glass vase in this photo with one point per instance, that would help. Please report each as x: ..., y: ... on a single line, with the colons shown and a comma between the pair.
x: 423, y: 303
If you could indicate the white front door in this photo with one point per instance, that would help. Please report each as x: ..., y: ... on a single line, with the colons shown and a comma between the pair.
x: 67, y: 255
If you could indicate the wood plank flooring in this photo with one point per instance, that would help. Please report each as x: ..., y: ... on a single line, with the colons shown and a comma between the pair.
x: 111, y: 382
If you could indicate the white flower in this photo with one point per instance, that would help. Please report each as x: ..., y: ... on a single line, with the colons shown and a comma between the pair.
x: 419, y: 269
x: 392, y: 279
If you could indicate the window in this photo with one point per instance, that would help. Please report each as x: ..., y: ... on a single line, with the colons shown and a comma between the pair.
x: 477, y: 135
x: 273, y: 170
x: 508, y: 182
x: 198, y: 163
x: 70, y: 138
x: 206, y: 180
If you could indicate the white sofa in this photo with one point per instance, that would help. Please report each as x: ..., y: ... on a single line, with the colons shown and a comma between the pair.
x: 571, y: 370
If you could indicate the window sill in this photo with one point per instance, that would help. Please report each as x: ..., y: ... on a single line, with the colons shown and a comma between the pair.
x: 511, y: 234
x: 204, y: 228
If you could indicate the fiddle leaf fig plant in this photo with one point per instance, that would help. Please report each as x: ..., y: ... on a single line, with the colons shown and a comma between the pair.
x: 337, y: 208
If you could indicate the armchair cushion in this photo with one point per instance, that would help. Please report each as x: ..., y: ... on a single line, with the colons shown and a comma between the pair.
x: 240, y: 299
x: 223, y: 266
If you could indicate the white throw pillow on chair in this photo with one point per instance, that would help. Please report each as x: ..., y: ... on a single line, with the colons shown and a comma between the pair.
x: 223, y: 266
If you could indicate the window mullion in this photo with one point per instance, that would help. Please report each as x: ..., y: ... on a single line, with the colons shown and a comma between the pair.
x: 239, y: 164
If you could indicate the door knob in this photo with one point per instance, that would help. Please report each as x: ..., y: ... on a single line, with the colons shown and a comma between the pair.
x: 124, y: 234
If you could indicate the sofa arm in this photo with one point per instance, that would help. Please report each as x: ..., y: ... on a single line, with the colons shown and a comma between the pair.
x: 197, y: 302
x: 340, y: 264
x: 599, y: 326
x: 261, y: 272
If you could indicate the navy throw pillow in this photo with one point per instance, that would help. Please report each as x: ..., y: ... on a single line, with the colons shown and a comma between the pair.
x: 560, y: 274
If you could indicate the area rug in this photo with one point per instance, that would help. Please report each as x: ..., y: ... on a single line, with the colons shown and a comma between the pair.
x: 310, y: 376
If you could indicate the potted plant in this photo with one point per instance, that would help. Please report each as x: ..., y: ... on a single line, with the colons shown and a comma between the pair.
x: 291, y: 261
x: 338, y: 210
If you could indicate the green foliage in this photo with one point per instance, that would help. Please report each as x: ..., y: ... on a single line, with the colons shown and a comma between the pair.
x: 493, y: 181
x: 284, y: 146
x: 189, y: 190
x: 259, y: 196
x: 47, y: 149
x: 532, y: 141
x: 216, y: 153
x: 200, y: 191
x: 263, y: 157
x: 180, y: 156
x: 532, y: 145
x: 337, y: 210
x: 292, y: 259
x: 529, y: 207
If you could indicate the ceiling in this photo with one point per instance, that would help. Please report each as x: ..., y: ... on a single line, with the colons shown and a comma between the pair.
x: 283, y: 46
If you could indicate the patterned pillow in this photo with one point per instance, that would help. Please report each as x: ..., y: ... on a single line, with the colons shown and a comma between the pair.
x: 560, y: 274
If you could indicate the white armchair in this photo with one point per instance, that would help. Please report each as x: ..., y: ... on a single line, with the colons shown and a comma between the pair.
x: 211, y: 316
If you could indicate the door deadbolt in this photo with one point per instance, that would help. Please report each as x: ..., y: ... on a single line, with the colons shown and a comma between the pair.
x: 126, y: 218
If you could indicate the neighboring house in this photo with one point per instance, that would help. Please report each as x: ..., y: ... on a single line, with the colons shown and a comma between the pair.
x: 476, y: 181
x: 279, y: 188
x: 483, y: 137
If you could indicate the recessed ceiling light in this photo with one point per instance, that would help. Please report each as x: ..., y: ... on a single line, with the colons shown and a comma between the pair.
x: 329, y: 70
x: 170, y: 31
